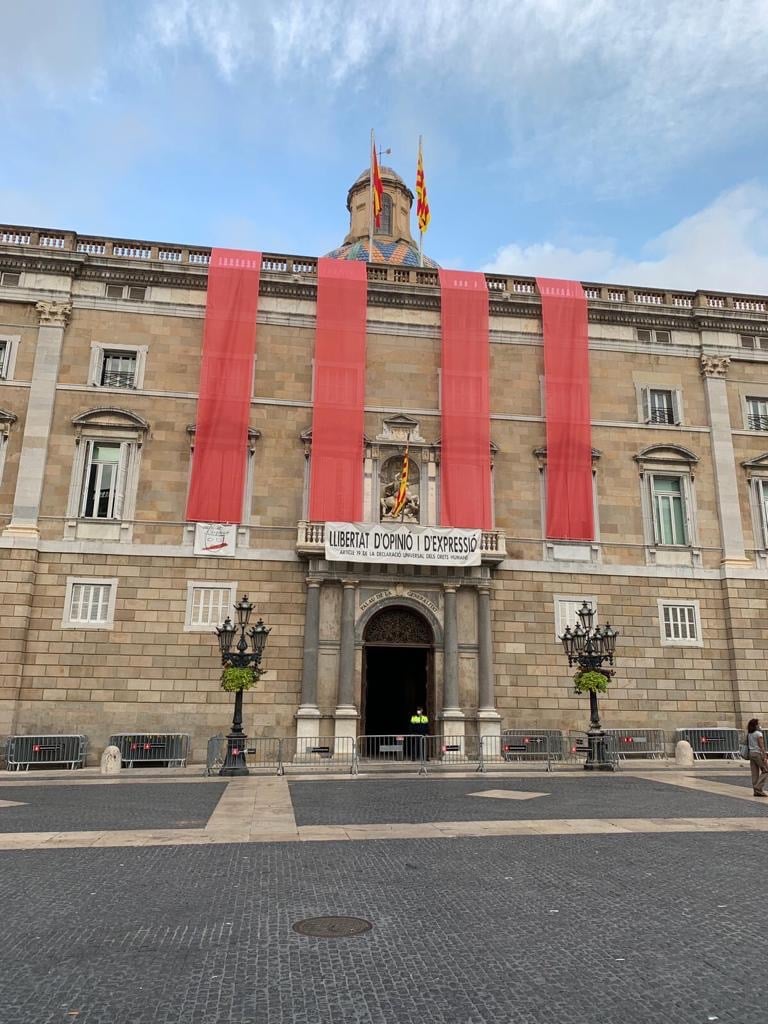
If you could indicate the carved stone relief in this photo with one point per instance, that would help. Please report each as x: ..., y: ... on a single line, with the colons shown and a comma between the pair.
x: 389, y: 485
x: 398, y: 626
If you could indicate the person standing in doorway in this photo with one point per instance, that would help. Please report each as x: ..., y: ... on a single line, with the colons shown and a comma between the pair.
x: 758, y: 757
x: 419, y: 729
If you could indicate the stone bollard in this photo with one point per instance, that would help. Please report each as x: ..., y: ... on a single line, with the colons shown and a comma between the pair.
x: 111, y: 761
x: 684, y: 754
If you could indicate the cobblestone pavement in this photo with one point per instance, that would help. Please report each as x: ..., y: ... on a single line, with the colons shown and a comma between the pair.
x: 58, y: 807
x: 549, y: 929
x: 368, y: 801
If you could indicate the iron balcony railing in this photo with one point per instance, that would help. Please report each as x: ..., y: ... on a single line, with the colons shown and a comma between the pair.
x: 118, y: 379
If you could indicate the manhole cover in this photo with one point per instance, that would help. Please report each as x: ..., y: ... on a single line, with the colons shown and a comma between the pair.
x: 332, y: 927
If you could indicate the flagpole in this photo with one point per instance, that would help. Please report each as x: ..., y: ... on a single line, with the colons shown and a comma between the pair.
x: 370, y: 211
x: 421, y: 233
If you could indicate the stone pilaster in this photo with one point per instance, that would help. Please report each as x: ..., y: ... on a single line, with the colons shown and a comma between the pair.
x: 346, y: 713
x: 37, y: 427
x: 451, y: 715
x: 714, y: 370
x: 308, y: 715
x: 488, y: 718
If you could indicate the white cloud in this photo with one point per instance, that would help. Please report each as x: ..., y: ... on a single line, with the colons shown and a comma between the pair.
x: 613, y: 93
x: 724, y: 246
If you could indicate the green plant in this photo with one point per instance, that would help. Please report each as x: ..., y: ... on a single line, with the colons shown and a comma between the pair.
x: 590, y: 682
x: 234, y: 679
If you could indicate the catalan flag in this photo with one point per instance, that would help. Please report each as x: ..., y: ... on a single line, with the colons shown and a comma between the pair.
x: 423, y: 215
x: 402, y: 491
x: 377, y: 189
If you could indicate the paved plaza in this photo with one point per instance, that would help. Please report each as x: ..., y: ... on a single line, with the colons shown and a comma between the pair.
x: 530, y: 898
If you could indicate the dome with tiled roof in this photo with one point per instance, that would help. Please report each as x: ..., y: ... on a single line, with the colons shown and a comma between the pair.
x: 392, y: 241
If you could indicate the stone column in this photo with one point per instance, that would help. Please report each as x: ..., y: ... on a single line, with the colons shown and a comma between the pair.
x: 714, y: 370
x: 488, y: 718
x: 452, y: 716
x: 37, y: 427
x: 346, y: 714
x: 308, y: 715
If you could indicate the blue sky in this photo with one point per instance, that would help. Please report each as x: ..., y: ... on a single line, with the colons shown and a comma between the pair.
x: 595, y: 139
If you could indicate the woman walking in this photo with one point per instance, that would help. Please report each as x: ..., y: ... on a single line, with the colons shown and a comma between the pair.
x: 758, y: 758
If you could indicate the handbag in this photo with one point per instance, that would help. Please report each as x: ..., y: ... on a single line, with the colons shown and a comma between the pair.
x: 744, y: 750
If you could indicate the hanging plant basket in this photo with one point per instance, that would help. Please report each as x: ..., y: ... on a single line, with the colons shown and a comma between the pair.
x: 234, y: 679
x: 590, y: 682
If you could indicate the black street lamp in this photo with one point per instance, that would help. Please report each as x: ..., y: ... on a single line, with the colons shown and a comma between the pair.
x: 240, y: 657
x: 589, y: 647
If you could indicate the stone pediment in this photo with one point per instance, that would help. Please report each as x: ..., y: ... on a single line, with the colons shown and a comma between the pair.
x: 110, y: 418
x: 399, y: 429
x: 758, y: 465
x: 667, y: 454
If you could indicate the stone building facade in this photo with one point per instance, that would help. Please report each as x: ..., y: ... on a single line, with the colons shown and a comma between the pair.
x: 108, y: 612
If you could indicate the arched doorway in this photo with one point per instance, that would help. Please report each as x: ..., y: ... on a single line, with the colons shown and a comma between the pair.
x: 397, y: 670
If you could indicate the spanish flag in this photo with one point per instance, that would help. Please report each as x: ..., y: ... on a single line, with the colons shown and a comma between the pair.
x: 402, y: 491
x: 423, y: 215
x: 377, y: 189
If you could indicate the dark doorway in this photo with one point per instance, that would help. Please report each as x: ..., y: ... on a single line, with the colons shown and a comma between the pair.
x: 395, y: 685
x: 397, y: 666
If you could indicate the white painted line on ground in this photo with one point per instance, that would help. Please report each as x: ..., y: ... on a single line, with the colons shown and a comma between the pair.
x: 12, y: 803
x: 508, y: 794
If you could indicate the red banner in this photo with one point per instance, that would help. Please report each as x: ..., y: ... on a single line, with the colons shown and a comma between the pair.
x: 570, y: 510
x: 226, y: 386
x: 465, y: 457
x: 336, y: 470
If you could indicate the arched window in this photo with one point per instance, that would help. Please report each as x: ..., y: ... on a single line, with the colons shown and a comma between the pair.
x: 386, y: 216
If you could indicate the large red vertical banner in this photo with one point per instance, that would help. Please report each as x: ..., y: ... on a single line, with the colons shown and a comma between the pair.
x: 226, y: 385
x: 570, y: 510
x: 465, y: 457
x: 338, y: 417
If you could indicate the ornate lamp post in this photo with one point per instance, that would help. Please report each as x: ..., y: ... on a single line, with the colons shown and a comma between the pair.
x: 590, y: 647
x: 243, y: 658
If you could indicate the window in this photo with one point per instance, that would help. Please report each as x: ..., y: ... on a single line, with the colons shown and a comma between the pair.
x: 753, y: 341
x: 136, y: 293
x: 105, y: 474
x: 386, y: 216
x: 757, y: 413
x: 104, y: 481
x: 657, y: 337
x: 118, y: 369
x: 89, y: 603
x: 668, y: 504
x: 760, y: 495
x: 117, y: 366
x: 208, y: 604
x: 9, y: 344
x: 661, y: 405
x: 680, y: 623
x: 566, y: 612
x: 9, y: 277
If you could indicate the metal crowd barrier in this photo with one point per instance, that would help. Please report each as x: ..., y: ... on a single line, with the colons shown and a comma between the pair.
x: 169, y: 750
x: 537, y: 745
x: 517, y: 747
x: 263, y: 752
x: 638, y: 743
x: 216, y: 754
x: 45, y: 751
x: 577, y: 748
x: 328, y: 752
x: 722, y: 743
x: 415, y: 750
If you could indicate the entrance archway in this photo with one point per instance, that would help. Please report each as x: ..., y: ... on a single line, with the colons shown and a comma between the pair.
x: 398, y: 673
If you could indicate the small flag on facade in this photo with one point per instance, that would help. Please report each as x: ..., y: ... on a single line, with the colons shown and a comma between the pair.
x: 377, y: 189
x: 423, y: 215
x: 402, y: 491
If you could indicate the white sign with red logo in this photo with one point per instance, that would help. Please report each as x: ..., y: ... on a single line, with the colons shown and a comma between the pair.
x: 219, y: 539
